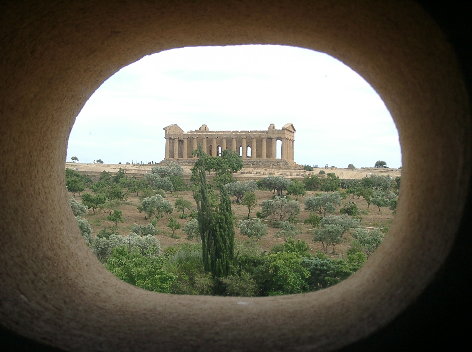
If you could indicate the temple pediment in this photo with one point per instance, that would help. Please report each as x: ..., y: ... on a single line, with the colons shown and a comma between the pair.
x: 173, y: 129
x: 289, y: 126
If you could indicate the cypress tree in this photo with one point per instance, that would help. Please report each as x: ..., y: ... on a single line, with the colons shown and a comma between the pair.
x: 214, y: 214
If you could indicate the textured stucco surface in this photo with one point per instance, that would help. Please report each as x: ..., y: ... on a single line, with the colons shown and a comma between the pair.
x: 56, y: 53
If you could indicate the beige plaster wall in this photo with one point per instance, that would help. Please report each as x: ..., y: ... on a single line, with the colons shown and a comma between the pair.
x: 55, y: 54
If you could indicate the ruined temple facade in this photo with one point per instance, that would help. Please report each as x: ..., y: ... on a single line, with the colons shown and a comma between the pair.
x: 255, y: 147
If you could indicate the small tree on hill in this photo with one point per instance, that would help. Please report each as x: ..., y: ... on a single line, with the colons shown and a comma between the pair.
x: 380, y: 164
x: 116, y: 216
x: 296, y: 188
x: 239, y: 188
x: 250, y: 201
x: 252, y: 228
x: 74, y: 159
x: 182, y: 205
x: 93, y: 201
x: 331, y: 230
x: 323, y: 203
x: 155, y: 206
x: 280, y: 208
x: 173, y: 225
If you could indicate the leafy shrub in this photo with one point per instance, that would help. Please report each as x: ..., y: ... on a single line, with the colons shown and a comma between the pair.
x: 155, y: 206
x: 85, y: 230
x: 296, y: 188
x: 78, y: 209
x: 284, y: 273
x: 252, y: 228
x: 146, y: 245
x: 280, y: 208
x: 350, y: 209
x: 326, y: 271
x: 276, y: 184
x: 140, y: 270
x: 313, y: 220
x: 307, y: 168
x: 367, y: 241
x: 185, y: 262
x: 323, y: 203
x: 144, y: 230
x: 239, y: 188
x: 242, y: 285
x: 287, y: 230
x: 332, y: 228
x: 191, y: 229
x: 292, y: 246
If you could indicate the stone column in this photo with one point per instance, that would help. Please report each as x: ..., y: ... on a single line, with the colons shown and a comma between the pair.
x: 285, y: 149
x: 213, y: 147
x: 233, y: 144
x: 293, y: 150
x: 264, y: 148
x: 254, y: 148
x: 274, y: 148
x: 184, y: 149
x: 167, y: 148
x: 244, y: 147
x: 223, y: 145
x: 194, y: 146
x: 204, y: 145
x: 176, y: 148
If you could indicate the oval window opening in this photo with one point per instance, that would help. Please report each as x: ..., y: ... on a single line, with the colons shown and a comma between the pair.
x: 250, y: 170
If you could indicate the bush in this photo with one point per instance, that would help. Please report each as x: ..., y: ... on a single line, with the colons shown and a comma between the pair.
x: 350, y: 209
x: 307, y: 168
x: 239, y: 188
x: 191, y: 229
x: 284, y: 273
x: 146, y: 245
x: 143, y: 271
x: 326, y: 271
x: 155, y: 206
x: 366, y: 241
x: 78, y: 209
x: 252, y: 228
x: 331, y: 230
x: 144, y: 230
x: 292, y: 246
x: 323, y: 203
x: 296, y: 188
x: 280, y: 208
x: 185, y: 262
x: 287, y: 230
x: 242, y: 285
x: 85, y: 230
x: 313, y: 220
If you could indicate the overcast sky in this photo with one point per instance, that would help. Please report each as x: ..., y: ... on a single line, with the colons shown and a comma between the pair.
x: 339, y: 118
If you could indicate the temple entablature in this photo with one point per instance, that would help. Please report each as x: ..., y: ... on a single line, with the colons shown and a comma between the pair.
x: 254, y: 144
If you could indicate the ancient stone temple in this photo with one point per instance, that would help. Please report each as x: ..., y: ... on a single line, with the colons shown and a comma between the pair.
x: 257, y: 148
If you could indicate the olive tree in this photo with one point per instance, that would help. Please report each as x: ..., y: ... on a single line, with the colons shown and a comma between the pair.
x: 280, y: 208
x: 155, y: 206
x: 331, y: 230
x: 252, y: 228
x: 239, y: 188
x: 323, y: 203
